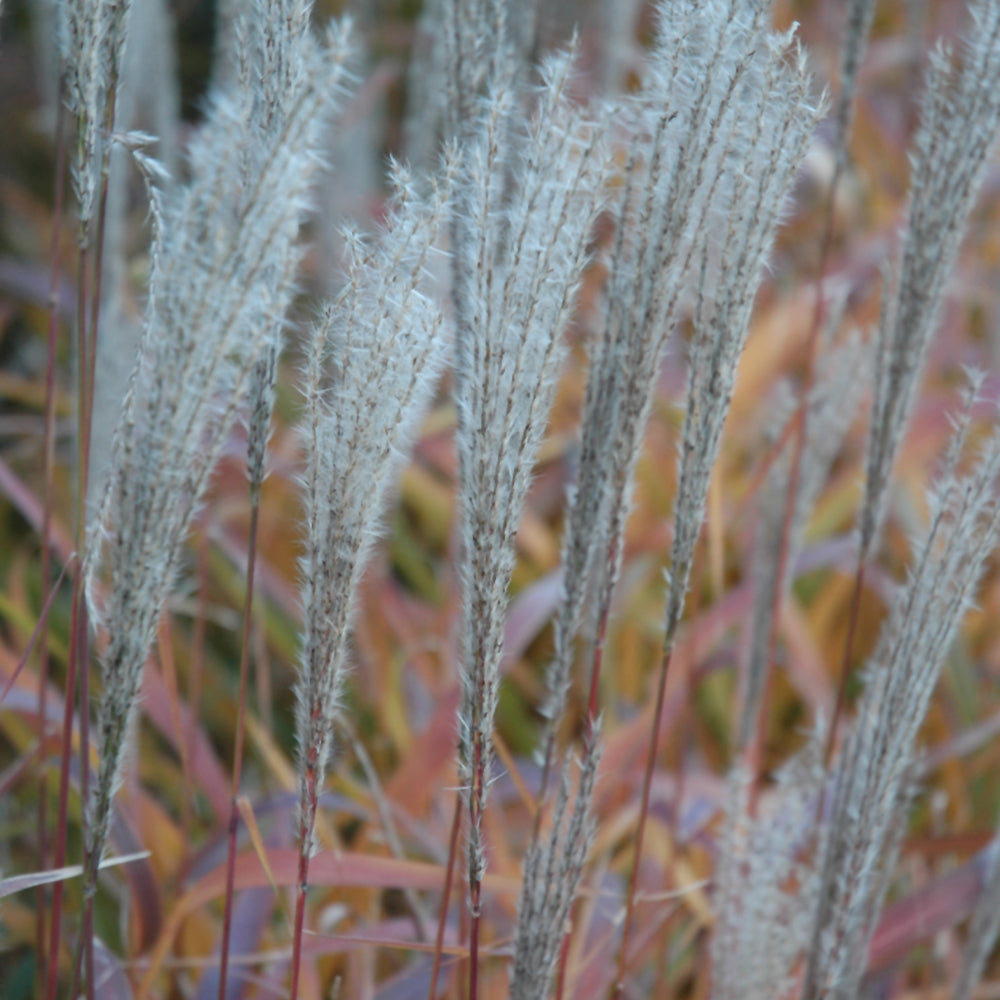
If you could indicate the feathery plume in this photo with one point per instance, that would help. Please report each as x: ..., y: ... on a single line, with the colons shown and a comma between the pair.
x: 519, y: 250
x: 720, y: 129
x: 91, y: 42
x: 487, y: 47
x: 260, y: 409
x: 775, y: 121
x: 371, y: 366
x: 860, y: 15
x: 224, y: 258
x: 723, y: 124
x: 960, y: 125
x: 370, y: 370
x: 871, y: 784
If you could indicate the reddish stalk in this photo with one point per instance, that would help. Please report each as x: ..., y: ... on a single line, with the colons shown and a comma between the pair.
x: 227, y: 917
x: 647, y: 784
x: 88, y: 371
x: 78, y: 639
x: 44, y: 893
x: 88, y: 909
x: 475, y: 883
x: 456, y: 824
x: 74, y: 667
x: 475, y: 903
x: 87, y: 360
x: 59, y: 859
x: 306, y: 827
x: 32, y: 642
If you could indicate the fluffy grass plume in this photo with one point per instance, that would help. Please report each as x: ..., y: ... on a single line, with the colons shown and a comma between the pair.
x: 223, y: 267
x: 527, y: 195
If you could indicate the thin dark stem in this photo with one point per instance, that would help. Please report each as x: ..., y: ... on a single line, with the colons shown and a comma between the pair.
x: 475, y: 883
x: 456, y: 824
x: 300, y: 916
x: 78, y: 640
x: 238, y: 748
x: 88, y: 372
x: 88, y: 912
x: 59, y: 859
x: 647, y: 784
x: 475, y: 904
x: 45, y: 892
x: 75, y: 667
x: 306, y: 827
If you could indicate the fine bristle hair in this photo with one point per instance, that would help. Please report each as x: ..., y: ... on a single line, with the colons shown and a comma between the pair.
x: 372, y: 361
x: 871, y: 781
x: 223, y: 266
x: 518, y: 254
x: 91, y: 36
x: 959, y: 127
x: 715, y: 137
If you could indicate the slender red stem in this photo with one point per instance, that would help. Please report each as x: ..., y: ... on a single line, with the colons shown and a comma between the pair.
x: 456, y: 824
x: 45, y: 892
x: 475, y: 883
x: 59, y: 859
x: 88, y: 374
x: 475, y: 904
x: 88, y: 909
x: 306, y: 828
x: 227, y: 918
x: 74, y: 667
x: 78, y: 639
x: 647, y: 784
x: 300, y: 915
